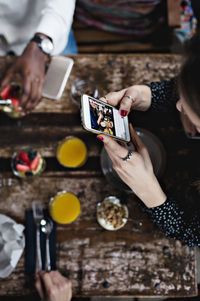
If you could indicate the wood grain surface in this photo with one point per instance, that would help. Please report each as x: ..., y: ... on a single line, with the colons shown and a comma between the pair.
x: 137, y: 260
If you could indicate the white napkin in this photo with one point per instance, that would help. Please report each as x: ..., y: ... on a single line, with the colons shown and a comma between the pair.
x: 11, y: 244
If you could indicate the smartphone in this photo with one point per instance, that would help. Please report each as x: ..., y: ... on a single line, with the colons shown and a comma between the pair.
x: 196, y: 136
x: 56, y: 77
x: 102, y: 118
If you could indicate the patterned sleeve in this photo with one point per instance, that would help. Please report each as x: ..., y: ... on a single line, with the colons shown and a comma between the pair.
x: 164, y: 95
x: 170, y: 219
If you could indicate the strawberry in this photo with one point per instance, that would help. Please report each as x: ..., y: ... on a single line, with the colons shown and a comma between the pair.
x: 24, y: 157
x: 5, y: 93
x: 21, y: 167
x: 35, y: 162
x: 15, y: 102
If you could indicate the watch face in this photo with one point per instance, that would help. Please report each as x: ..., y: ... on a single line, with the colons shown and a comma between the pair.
x: 47, y: 46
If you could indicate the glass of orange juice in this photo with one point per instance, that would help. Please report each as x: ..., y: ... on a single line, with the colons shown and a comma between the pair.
x: 71, y: 152
x: 64, y: 207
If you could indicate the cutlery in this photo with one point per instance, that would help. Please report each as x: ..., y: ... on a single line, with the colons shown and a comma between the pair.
x: 4, y: 102
x: 46, y: 226
x: 38, y: 216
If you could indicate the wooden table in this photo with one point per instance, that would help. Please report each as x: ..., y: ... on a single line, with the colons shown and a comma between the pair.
x: 132, y: 261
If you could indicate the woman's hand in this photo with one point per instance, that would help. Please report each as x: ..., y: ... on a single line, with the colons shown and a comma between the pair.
x: 137, y: 172
x: 29, y: 70
x: 53, y: 286
x: 137, y: 97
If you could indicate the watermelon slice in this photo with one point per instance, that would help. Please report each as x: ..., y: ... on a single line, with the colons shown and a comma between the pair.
x: 6, y: 92
x: 15, y: 103
x: 35, y: 162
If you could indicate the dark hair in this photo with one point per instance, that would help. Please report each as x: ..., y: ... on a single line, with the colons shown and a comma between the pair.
x: 189, y: 77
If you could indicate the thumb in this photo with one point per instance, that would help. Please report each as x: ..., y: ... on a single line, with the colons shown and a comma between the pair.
x: 141, y: 148
x: 5, y: 82
x: 127, y: 101
x: 113, y: 148
x: 113, y: 98
x: 7, y: 78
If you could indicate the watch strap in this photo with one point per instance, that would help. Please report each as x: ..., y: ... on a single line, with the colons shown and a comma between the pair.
x: 37, y: 39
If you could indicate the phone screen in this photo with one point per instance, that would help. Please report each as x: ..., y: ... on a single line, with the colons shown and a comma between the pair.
x: 107, y: 120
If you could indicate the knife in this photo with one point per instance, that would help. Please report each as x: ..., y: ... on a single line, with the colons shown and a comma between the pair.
x: 38, y: 216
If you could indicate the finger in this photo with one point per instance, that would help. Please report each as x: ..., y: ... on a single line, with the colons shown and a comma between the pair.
x: 127, y: 101
x: 136, y: 139
x: 31, y: 103
x: 38, y: 286
x: 57, y: 278
x: 39, y: 91
x: 103, y: 99
x: 114, y: 150
x: 114, y: 98
x: 6, y: 81
x: 55, y: 275
x: 140, y: 147
x: 46, y: 280
x: 39, y: 95
x: 26, y: 91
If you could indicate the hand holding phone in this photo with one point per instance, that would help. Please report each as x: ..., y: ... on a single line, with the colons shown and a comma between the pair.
x: 102, y: 118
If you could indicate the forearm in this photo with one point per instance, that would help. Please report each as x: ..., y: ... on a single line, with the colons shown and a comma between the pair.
x: 171, y: 220
x: 153, y: 195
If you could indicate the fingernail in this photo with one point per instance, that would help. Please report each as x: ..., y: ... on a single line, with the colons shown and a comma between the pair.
x: 123, y: 113
x: 100, y: 138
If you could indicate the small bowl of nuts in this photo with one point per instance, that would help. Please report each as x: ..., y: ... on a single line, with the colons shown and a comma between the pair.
x: 111, y: 214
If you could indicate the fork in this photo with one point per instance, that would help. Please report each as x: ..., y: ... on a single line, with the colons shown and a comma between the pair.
x: 38, y: 216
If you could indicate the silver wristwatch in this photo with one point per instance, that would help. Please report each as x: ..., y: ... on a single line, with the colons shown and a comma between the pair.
x: 44, y: 44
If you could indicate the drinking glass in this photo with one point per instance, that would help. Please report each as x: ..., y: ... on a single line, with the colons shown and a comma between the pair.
x: 71, y: 152
x: 9, y: 100
x: 64, y: 207
x: 27, y: 163
x: 80, y: 87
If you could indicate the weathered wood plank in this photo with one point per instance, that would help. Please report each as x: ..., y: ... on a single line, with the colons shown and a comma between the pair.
x: 109, y: 72
x: 130, y: 260
x: 174, y: 13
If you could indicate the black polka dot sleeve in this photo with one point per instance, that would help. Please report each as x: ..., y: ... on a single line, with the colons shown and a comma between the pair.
x: 170, y: 219
x: 164, y: 95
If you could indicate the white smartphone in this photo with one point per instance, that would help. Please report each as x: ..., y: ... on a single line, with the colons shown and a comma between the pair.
x: 101, y: 118
x: 56, y: 77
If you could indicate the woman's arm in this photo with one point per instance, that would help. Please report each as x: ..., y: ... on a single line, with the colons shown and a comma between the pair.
x: 138, y: 174
x: 164, y: 95
x: 157, y: 96
x: 170, y: 219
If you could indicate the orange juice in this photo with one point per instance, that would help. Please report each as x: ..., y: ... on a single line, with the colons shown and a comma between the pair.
x: 64, y: 207
x: 71, y: 152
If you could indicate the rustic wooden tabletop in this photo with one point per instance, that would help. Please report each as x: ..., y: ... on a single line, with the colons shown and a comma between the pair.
x: 137, y: 260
